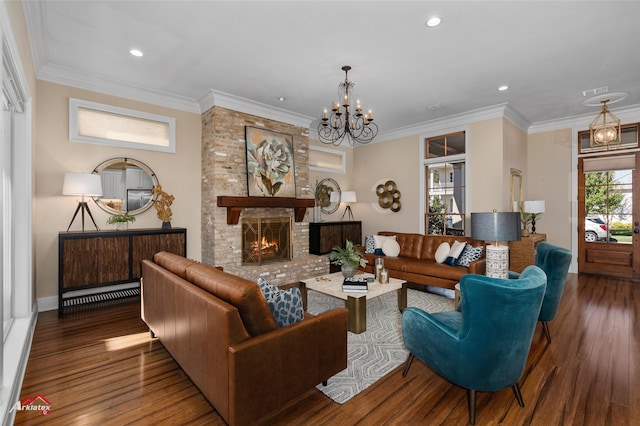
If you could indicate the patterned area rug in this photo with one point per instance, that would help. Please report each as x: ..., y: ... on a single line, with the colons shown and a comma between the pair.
x: 380, y: 349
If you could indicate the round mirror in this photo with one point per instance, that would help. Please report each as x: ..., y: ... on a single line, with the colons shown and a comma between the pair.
x: 328, y: 195
x: 127, y: 186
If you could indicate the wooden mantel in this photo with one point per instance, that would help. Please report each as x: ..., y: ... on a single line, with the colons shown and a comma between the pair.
x: 235, y: 205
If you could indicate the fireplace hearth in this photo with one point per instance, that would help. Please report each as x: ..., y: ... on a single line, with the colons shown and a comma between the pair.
x: 266, y: 239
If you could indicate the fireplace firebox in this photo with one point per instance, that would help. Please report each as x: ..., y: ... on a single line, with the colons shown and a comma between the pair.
x: 266, y: 239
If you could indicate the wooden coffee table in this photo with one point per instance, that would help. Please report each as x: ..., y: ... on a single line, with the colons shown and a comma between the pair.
x: 356, y: 303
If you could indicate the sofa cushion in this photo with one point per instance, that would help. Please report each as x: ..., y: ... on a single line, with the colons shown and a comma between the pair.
x: 434, y: 269
x: 470, y: 254
x: 442, y: 252
x: 391, y: 248
x: 456, y: 250
x: 380, y: 239
x: 173, y: 263
x: 243, y: 294
x: 410, y: 244
x: 285, y: 305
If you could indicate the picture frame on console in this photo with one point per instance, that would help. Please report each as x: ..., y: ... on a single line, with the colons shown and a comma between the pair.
x: 270, y: 164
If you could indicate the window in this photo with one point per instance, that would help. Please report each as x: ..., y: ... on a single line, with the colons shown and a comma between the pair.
x: 445, y: 200
x: 108, y: 125
x: 326, y: 160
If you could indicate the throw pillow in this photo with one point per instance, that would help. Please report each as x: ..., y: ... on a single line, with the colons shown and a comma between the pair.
x: 380, y: 239
x: 470, y: 254
x: 442, y: 252
x: 456, y: 250
x: 285, y: 305
x: 391, y: 248
x: 369, y: 244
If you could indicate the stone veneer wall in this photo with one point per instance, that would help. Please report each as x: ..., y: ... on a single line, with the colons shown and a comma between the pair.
x: 224, y: 172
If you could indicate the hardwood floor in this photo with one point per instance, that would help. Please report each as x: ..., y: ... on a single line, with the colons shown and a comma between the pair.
x: 100, y: 367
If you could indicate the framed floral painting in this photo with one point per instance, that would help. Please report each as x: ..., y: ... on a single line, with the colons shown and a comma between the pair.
x: 270, y: 171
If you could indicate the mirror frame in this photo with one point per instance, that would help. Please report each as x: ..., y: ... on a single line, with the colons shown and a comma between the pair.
x: 127, y: 161
x: 516, y: 189
x: 324, y: 189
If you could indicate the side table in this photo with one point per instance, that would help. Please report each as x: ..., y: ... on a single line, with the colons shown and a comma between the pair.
x: 523, y: 253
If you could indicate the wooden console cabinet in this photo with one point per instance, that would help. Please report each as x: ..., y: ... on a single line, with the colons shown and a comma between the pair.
x: 323, y: 236
x: 523, y: 253
x: 88, y: 260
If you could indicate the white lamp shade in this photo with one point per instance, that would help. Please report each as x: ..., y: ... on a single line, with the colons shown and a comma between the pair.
x: 88, y: 184
x: 536, y: 206
x: 348, y: 197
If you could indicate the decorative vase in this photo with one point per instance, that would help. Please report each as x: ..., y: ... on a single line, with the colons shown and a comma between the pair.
x: 166, y: 225
x: 122, y: 226
x: 525, y: 233
x: 348, y: 270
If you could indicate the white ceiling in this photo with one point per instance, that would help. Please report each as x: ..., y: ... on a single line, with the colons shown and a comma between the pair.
x: 547, y: 52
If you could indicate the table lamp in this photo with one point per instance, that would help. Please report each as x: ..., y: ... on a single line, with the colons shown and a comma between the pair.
x: 494, y: 227
x: 83, y: 184
x: 348, y: 197
x: 533, y: 209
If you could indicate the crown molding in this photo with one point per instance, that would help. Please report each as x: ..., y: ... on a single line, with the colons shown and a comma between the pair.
x: 73, y: 78
x: 34, y: 17
x: 225, y: 100
x: 630, y: 114
x: 504, y: 110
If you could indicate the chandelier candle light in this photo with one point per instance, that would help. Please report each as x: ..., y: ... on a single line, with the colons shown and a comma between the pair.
x: 494, y: 227
x: 343, y: 123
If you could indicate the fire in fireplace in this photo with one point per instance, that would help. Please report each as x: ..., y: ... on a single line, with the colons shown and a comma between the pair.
x: 266, y: 239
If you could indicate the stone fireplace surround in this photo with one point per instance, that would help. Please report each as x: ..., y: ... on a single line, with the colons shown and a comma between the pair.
x: 224, y: 172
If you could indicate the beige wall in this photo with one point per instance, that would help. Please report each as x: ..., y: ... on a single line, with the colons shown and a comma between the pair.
x: 344, y: 180
x: 549, y: 178
x: 515, y: 157
x: 397, y: 160
x: 486, y: 167
x: 179, y: 174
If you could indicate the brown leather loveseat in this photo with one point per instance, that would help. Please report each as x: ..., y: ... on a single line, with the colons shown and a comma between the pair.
x: 220, y: 330
x: 416, y: 262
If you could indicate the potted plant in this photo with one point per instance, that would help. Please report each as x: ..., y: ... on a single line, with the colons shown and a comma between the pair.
x: 525, y: 218
x: 121, y: 220
x: 348, y: 257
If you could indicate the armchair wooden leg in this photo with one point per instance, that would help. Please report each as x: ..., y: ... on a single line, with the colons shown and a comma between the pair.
x: 545, y: 328
x: 516, y: 390
x: 471, y: 401
x: 407, y: 364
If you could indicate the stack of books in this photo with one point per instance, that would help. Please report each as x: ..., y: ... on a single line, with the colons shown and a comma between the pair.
x: 355, y: 285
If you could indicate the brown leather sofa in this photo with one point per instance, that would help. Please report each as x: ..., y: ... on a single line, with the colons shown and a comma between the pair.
x: 219, y: 329
x: 416, y: 262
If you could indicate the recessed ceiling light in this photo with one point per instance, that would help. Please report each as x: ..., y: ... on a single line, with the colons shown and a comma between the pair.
x: 433, y: 22
x: 503, y: 88
x: 282, y: 98
x: 136, y: 52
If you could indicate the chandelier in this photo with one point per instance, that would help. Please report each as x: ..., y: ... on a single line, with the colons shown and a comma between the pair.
x: 604, y: 130
x: 343, y: 123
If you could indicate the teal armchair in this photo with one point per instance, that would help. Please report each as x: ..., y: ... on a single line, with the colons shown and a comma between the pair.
x: 555, y: 262
x: 484, y: 345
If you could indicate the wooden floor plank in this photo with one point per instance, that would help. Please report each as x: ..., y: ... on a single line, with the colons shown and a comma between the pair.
x: 100, y: 366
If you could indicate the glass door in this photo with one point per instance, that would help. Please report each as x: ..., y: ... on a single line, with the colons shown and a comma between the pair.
x: 608, y: 226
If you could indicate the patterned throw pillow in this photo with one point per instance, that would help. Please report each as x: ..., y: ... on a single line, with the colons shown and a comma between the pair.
x: 469, y: 255
x: 285, y: 305
x: 369, y: 244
